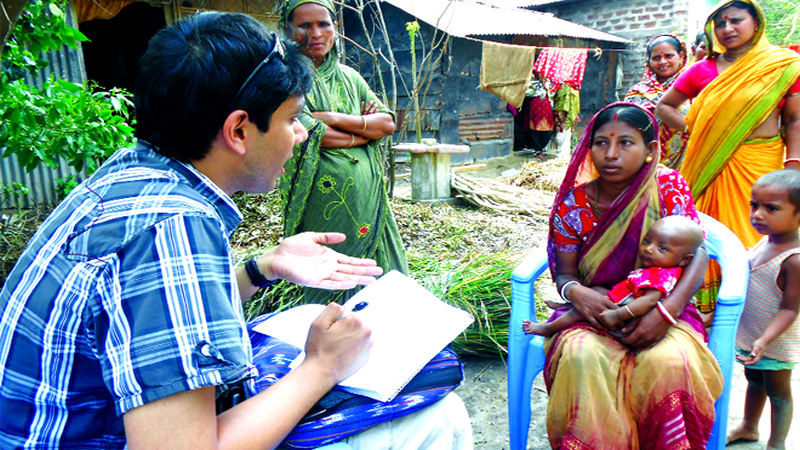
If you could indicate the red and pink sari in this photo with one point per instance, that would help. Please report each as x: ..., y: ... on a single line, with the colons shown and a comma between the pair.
x: 604, y: 394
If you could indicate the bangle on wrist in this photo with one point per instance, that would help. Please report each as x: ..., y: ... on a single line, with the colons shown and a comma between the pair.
x: 665, y: 314
x: 564, y: 291
x: 353, y: 141
x: 633, y: 316
x: 256, y: 277
x: 686, y: 129
x: 788, y: 160
x: 365, y: 123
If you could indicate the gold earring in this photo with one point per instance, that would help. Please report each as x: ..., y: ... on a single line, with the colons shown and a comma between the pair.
x: 649, y: 159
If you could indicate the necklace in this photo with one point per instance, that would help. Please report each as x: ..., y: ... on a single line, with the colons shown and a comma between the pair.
x: 597, y: 212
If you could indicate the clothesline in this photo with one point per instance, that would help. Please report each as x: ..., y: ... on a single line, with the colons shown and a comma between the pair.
x: 538, y: 47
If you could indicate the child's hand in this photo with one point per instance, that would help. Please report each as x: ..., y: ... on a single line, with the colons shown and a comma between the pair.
x: 755, y: 354
x: 611, y: 319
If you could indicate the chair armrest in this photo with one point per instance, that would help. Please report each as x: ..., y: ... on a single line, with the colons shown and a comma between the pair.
x: 523, y: 279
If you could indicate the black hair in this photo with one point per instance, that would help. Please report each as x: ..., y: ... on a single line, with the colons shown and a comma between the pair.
x: 633, y: 116
x: 671, y: 40
x: 788, y: 179
x: 701, y: 36
x: 741, y: 5
x: 191, y: 72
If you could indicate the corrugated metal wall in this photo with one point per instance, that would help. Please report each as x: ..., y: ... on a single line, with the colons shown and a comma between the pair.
x: 67, y: 64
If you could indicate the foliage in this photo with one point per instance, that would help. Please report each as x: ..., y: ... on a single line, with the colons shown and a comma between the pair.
x: 783, y: 21
x: 413, y: 29
x: 15, y: 232
x: 60, y: 119
x: 14, y: 190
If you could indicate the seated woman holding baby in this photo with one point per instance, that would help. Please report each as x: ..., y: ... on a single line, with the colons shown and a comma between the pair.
x: 651, y: 382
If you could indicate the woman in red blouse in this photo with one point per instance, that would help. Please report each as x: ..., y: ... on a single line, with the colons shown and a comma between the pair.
x: 657, y: 384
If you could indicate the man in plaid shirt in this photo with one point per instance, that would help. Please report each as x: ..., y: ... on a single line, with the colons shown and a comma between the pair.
x: 124, y: 313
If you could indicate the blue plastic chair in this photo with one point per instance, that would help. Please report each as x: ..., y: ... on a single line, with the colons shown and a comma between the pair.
x: 526, y: 355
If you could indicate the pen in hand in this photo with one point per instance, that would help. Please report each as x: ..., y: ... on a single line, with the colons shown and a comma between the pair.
x: 358, y: 307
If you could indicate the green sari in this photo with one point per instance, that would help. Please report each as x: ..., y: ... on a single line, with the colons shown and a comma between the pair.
x: 340, y: 189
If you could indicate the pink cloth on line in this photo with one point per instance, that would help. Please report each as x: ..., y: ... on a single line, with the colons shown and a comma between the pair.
x: 562, y: 66
x: 663, y: 279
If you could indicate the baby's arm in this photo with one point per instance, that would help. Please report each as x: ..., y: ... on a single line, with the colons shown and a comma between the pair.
x: 638, y: 307
x: 787, y: 313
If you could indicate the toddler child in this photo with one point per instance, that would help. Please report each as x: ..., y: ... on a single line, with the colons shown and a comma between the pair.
x: 668, y: 245
x: 768, y: 339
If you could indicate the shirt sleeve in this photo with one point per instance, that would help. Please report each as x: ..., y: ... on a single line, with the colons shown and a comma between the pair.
x: 689, y: 81
x: 795, y: 89
x: 573, y: 221
x: 171, y: 319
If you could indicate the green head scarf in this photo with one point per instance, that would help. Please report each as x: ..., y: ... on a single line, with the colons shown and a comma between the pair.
x: 290, y: 5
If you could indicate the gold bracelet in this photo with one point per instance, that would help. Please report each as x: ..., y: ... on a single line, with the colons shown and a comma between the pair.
x: 365, y: 123
x: 353, y: 142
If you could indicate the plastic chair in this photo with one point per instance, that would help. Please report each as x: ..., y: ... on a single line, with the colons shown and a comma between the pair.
x: 526, y: 355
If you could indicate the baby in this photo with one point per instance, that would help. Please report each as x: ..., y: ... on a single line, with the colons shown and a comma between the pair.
x: 668, y: 246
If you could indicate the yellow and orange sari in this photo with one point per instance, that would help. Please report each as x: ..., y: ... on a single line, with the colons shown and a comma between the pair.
x: 720, y: 164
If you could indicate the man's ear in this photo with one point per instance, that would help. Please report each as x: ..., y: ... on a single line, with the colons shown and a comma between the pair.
x: 686, y: 260
x: 235, y: 131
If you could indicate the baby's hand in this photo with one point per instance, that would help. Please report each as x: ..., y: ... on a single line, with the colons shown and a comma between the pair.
x: 611, y: 319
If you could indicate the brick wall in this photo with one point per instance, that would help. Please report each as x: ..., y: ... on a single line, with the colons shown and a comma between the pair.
x: 637, y: 20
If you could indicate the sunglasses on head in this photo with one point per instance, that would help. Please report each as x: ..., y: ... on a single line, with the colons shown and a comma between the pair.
x: 277, y: 49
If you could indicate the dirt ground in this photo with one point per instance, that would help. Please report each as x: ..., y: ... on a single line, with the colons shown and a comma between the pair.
x: 485, y: 388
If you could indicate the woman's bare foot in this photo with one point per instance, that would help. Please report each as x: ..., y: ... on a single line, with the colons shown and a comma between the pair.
x: 742, y: 433
x: 536, y: 328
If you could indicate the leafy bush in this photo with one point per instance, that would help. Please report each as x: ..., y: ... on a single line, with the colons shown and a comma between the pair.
x: 60, y: 119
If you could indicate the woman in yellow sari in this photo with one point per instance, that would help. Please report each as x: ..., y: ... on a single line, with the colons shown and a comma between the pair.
x: 744, y: 120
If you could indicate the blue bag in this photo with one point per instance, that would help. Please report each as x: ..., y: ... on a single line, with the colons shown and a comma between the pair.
x: 339, y: 413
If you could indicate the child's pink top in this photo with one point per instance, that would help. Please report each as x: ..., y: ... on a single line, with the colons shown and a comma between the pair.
x: 653, y: 277
x: 700, y: 74
x: 762, y: 304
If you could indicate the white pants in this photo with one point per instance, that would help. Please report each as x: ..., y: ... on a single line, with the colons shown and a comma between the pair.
x: 444, y: 425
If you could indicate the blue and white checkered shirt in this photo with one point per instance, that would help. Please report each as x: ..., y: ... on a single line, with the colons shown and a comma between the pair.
x: 125, y: 295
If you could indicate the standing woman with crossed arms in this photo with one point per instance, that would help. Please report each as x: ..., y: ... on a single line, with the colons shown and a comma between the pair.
x: 334, y: 181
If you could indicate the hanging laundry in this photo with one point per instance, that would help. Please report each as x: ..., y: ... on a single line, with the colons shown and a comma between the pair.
x: 506, y: 70
x: 567, y: 106
x: 539, y: 114
x: 562, y: 66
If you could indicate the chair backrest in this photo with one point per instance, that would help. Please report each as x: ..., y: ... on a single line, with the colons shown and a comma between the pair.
x: 526, y: 356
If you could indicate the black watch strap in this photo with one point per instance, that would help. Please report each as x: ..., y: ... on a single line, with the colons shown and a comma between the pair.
x: 256, y: 277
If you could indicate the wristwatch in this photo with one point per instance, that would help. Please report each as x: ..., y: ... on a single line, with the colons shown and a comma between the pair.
x: 256, y: 277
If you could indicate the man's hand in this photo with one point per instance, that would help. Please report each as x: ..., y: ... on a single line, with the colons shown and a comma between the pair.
x: 645, y: 331
x: 337, y: 347
x: 302, y: 259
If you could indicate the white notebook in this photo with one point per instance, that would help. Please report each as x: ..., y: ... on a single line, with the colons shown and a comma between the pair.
x: 409, y: 326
